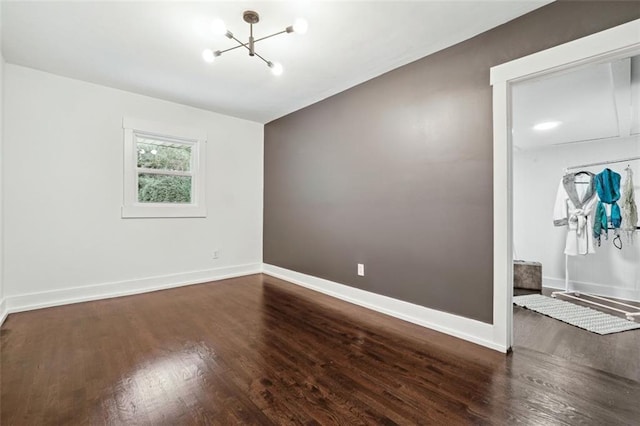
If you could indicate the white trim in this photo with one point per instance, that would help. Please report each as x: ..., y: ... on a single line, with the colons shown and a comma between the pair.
x: 502, y: 220
x: 464, y: 328
x: 615, y: 43
x: 163, y: 129
x: 3, y: 310
x: 131, y: 208
x: 593, y: 288
x: 145, y: 171
x: 162, y: 210
x: 27, y: 302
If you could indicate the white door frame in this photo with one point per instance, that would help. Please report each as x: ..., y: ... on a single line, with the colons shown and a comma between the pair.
x: 615, y: 43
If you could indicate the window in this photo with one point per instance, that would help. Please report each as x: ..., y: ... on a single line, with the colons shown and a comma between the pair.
x: 163, y: 170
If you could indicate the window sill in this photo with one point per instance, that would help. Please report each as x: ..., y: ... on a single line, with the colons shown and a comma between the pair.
x: 162, y: 211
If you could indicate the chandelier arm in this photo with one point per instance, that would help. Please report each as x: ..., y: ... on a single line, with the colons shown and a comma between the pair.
x: 269, y: 36
x: 260, y: 56
x: 241, y: 44
x: 234, y: 47
x: 245, y: 45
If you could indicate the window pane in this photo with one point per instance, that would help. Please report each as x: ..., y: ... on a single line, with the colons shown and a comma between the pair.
x: 164, y: 188
x: 156, y: 154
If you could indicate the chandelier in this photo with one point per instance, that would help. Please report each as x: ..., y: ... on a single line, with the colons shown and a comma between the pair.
x: 251, y: 18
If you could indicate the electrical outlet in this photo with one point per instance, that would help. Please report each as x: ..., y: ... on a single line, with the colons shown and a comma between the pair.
x: 361, y: 269
x: 216, y: 254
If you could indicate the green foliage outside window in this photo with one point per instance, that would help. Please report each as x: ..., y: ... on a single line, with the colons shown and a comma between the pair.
x: 158, y: 188
x: 164, y: 189
x: 165, y: 157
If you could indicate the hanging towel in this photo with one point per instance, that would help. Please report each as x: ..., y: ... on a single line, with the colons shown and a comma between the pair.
x: 608, y: 189
x: 629, y: 207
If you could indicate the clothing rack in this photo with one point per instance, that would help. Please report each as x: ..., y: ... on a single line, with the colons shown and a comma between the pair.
x: 602, y: 163
x: 631, y: 315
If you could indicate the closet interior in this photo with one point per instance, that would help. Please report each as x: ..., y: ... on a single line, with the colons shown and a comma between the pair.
x: 576, y: 188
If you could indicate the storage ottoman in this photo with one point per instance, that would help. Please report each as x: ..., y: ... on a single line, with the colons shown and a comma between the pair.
x: 527, y: 275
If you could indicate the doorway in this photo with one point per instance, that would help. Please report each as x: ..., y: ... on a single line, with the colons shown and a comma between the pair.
x: 572, y: 131
x: 616, y: 43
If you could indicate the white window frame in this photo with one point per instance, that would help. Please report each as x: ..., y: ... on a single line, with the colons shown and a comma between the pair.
x: 131, y: 207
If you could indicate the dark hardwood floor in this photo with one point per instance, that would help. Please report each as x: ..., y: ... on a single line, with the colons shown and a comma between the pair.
x: 257, y: 350
x: 617, y: 353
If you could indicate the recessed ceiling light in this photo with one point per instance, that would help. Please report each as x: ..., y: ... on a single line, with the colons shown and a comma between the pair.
x: 547, y: 125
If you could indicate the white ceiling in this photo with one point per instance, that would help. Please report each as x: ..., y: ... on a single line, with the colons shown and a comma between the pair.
x: 600, y: 101
x: 154, y: 48
x: 635, y: 95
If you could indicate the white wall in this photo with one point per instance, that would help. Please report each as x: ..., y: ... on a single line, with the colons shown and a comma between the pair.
x: 63, y: 170
x: 536, y: 175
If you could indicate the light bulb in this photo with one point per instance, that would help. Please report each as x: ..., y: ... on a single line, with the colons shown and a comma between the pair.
x: 276, y: 68
x: 218, y: 27
x: 300, y: 26
x: 208, y: 56
x: 547, y: 125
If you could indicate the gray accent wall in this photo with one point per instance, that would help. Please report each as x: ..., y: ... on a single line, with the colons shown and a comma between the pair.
x: 396, y: 173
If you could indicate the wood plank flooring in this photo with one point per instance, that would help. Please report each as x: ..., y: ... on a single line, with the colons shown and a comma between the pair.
x: 257, y: 350
x: 617, y: 353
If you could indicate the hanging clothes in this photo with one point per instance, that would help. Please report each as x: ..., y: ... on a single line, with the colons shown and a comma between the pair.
x: 575, y: 206
x: 628, y: 206
x: 608, y: 189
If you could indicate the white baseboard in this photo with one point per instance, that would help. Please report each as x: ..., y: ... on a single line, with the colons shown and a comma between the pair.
x: 27, y: 302
x: 3, y: 310
x: 593, y: 288
x: 464, y: 328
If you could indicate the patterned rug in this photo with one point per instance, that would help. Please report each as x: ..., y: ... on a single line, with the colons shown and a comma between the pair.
x: 580, y: 316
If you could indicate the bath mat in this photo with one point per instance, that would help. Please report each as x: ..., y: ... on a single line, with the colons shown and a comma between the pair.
x: 579, y: 316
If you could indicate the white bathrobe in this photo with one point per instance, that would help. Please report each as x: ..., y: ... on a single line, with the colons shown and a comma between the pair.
x: 575, y: 208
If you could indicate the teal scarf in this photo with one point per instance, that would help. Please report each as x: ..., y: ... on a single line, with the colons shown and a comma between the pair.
x: 608, y: 189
